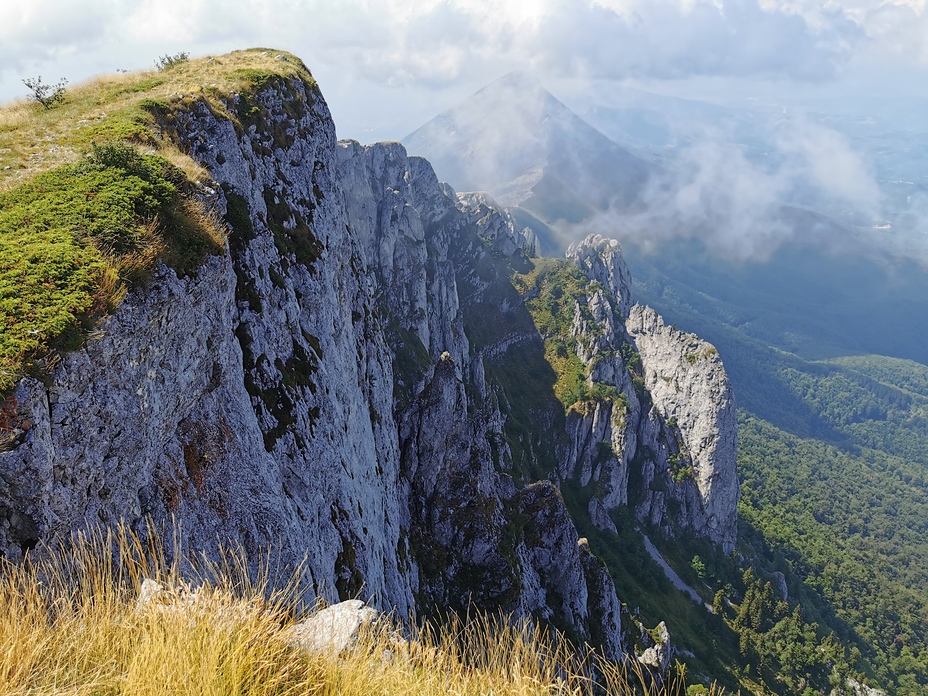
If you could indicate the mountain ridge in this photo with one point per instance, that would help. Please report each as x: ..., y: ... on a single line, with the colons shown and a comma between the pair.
x: 802, y: 326
x: 338, y: 381
x: 375, y: 372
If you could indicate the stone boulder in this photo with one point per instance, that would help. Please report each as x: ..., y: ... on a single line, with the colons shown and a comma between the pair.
x: 335, y: 629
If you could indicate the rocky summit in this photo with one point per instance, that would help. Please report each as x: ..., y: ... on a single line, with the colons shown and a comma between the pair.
x: 363, y: 377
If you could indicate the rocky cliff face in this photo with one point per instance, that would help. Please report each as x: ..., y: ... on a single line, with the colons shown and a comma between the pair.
x: 690, y: 392
x: 330, y: 387
x: 253, y: 402
x: 672, y: 432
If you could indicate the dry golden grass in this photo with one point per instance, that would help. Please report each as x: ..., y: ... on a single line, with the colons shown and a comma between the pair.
x: 34, y: 139
x: 193, y: 169
x: 70, y: 623
x: 15, y: 113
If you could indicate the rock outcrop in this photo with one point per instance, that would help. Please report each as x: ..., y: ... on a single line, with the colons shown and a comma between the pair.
x: 330, y: 387
x: 335, y: 629
x: 670, y: 432
x: 690, y: 391
x: 660, y: 653
x: 331, y: 630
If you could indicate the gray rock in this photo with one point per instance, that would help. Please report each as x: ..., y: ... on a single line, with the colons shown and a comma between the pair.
x: 150, y: 591
x: 659, y: 655
x: 603, y: 604
x: 682, y: 434
x: 495, y: 225
x: 857, y: 689
x: 333, y: 630
x: 601, y: 259
x: 780, y: 582
x: 599, y: 516
x: 689, y: 387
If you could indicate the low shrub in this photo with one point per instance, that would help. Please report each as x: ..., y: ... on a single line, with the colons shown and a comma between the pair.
x: 46, y: 95
x: 73, y: 239
x: 166, y: 62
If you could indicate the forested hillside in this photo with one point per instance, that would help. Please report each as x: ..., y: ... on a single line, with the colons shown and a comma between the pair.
x: 833, y: 452
x: 850, y: 533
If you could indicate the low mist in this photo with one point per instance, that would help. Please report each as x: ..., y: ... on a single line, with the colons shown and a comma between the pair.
x: 732, y: 197
x: 741, y: 181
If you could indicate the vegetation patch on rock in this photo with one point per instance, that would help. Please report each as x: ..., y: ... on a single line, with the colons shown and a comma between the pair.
x: 74, y: 238
x: 553, y: 291
x: 93, y: 193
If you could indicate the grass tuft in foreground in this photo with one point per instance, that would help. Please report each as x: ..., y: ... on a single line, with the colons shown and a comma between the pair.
x: 70, y: 623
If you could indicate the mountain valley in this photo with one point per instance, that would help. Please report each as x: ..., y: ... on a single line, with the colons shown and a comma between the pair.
x: 823, y: 338
x: 473, y: 387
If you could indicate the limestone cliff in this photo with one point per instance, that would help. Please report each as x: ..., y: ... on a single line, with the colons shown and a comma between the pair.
x: 333, y: 386
x: 690, y: 391
x: 672, y: 433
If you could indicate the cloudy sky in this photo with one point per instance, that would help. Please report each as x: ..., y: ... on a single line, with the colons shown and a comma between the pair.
x: 386, y: 66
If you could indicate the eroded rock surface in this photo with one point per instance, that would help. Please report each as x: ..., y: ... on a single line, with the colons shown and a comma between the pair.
x: 671, y: 431
x: 689, y: 388
x: 659, y: 654
x: 332, y: 387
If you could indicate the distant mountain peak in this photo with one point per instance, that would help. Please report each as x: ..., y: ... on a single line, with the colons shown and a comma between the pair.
x: 514, y: 96
x: 518, y: 78
x: 517, y: 141
x: 516, y: 81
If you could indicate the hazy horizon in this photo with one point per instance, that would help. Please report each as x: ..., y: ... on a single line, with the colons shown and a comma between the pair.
x: 833, y: 96
x: 387, y: 67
